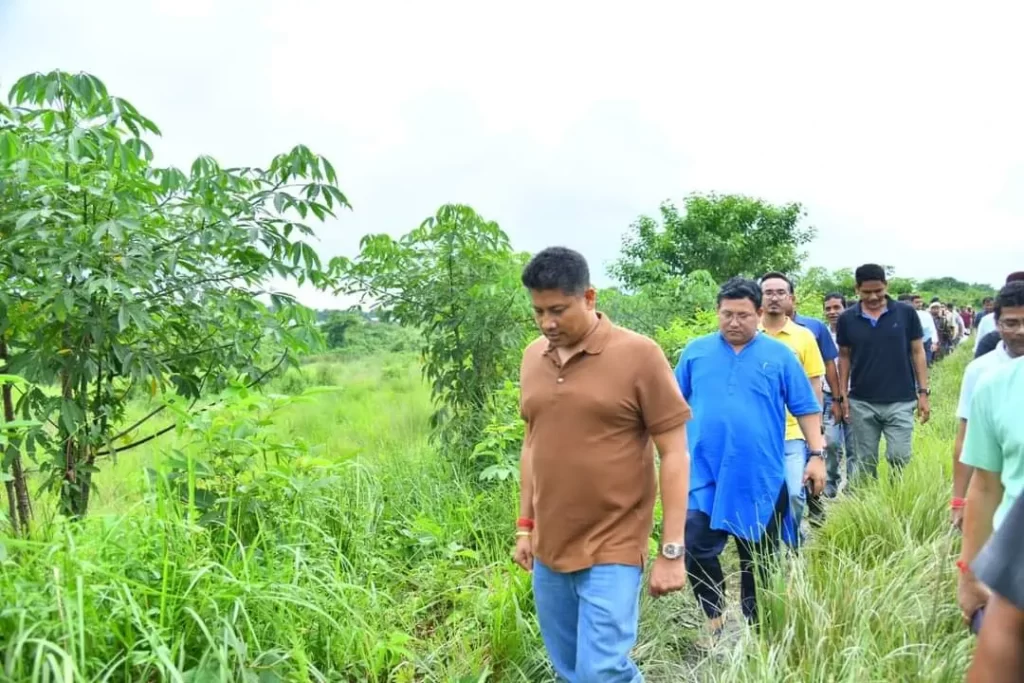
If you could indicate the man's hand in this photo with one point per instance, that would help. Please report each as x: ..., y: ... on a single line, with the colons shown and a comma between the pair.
x: 523, y: 554
x: 815, y: 474
x: 956, y: 518
x: 667, y: 576
x: 837, y: 411
x: 971, y: 595
x: 846, y: 410
x: 924, y: 408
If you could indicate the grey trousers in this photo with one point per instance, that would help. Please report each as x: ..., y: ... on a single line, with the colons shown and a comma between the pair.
x: 868, y: 422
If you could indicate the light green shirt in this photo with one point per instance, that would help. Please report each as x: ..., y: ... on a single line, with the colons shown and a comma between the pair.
x: 995, y: 432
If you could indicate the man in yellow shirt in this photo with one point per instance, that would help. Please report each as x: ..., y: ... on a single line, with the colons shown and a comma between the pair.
x: 777, y: 290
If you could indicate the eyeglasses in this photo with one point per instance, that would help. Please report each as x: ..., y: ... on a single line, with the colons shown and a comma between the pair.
x: 775, y: 293
x: 743, y: 317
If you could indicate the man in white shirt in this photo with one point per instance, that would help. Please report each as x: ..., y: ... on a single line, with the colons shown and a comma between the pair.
x: 931, y: 335
x: 987, y: 324
x: 1009, y: 314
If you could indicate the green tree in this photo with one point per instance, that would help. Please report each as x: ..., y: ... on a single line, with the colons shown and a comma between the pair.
x: 337, y: 326
x: 653, y: 305
x: 726, y: 235
x: 456, y: 279
x: 121, y: 275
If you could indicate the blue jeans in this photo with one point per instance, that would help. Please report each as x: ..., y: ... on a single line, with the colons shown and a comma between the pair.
x: 837, y: 441
x: 588, y: 621
x: 796, y: 463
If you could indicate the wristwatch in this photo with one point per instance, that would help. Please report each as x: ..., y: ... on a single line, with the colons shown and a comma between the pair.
x: 811, y: 454
x: 672, y: 551
x: 926, y: 392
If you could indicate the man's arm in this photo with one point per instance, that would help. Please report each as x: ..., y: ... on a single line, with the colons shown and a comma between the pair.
x: 526, y: 479
x: 961, y: 472
x: 999, y: 657
x: 674, y: 482
x: 844, y: 377
x: 984, y: 494
x: 921, y: 373
x: 810, y: 426
x: 832, y: 377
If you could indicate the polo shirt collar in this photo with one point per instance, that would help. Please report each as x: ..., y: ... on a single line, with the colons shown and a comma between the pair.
x: 888, y: 307
x: 596, y: 339
x: 789, y: 328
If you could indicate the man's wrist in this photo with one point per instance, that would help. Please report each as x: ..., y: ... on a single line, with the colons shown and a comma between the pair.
x: 524, y: 523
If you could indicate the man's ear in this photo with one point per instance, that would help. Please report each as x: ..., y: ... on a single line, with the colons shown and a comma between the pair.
x: 590, y: 296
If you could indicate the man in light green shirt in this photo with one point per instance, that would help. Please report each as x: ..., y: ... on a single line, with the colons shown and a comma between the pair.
x: 994, y: 447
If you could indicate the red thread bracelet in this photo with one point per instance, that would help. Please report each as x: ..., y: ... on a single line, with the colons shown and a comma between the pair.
x: 958, y: 503
x: 524, y: 523
x: 962, y: 566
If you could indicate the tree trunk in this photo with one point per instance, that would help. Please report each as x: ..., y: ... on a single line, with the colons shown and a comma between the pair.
x: 69, y: 490
x: 17, y: 489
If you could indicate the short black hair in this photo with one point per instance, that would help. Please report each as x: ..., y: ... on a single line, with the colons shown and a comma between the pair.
x: 1010, y: 296
x: 740, y: 288
x: 904, y: 297
x: 987, y: 300
x: 1017, y: 276
x: 776, y: 275
x: 557, y: 268
x: 935, y: 300
x: 914, y: 295
x: 834, y: 295
x: 869, y: 272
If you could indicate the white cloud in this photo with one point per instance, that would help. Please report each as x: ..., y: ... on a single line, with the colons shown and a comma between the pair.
x: 896, y: 124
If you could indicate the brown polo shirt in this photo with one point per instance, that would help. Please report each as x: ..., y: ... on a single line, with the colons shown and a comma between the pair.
x: 589, y: 426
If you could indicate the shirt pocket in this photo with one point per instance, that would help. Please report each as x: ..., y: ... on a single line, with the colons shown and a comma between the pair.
x: 767, y: 379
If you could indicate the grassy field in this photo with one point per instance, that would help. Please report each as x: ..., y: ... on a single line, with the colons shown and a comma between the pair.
x: 371, y: 559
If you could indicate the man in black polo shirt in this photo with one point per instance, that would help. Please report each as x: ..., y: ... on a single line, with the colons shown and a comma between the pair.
x: 882, y: 361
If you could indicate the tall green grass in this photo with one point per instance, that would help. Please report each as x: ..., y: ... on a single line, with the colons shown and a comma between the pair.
x: 384, y: 564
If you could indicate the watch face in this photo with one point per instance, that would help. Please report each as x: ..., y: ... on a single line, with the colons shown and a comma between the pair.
x: 672, y: 550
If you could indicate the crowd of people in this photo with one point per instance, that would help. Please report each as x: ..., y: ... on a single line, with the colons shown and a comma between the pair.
x: 751, y: 428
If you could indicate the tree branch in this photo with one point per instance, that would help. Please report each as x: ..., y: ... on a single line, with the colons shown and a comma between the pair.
x: 161, y: 432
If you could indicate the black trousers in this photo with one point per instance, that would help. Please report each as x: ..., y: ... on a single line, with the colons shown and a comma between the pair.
x: 703, y: 547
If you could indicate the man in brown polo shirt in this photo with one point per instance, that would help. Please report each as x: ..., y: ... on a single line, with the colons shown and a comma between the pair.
x: 596, y: 398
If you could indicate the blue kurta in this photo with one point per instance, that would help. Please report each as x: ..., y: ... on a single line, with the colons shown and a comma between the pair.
x: 736, y: 435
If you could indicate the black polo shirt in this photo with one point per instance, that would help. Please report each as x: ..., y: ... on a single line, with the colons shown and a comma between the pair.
x: 881, y: 367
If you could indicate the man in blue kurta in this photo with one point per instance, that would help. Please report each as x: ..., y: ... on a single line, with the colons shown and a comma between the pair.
x: 739, y: 384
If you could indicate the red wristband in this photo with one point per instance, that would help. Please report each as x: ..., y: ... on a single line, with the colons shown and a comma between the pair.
x: 524, y: 523
x: 958, y: 503
x: 962, y: 566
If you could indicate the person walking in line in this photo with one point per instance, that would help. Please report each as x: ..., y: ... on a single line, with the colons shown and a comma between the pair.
x: 999, y: 656
x: 594, y: 397
x: 985, y: 342
x: 837, y: 432
x: 1009, y: 315
x: 931, y: 335
x: 986, y: 308
x: 882, y: 361
x: 741, y: 384
x: 994, y: 447
x: 777, y: 295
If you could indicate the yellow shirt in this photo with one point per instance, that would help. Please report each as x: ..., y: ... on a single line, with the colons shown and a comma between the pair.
x: 805, y: 346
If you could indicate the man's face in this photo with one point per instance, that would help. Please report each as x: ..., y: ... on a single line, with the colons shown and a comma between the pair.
x: 833, y: 309
x: 872, y: 294
x: 918, y: 302
x: 989, y: 305
x: 1011, y: 329
x: 777, y: 297
x: 738, y: 319
x: 563, y: 318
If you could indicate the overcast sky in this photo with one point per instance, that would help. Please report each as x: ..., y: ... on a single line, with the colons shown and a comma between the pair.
x: 899, y: 125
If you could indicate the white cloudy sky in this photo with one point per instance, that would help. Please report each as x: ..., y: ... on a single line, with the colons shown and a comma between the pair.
x: 899, y: 125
